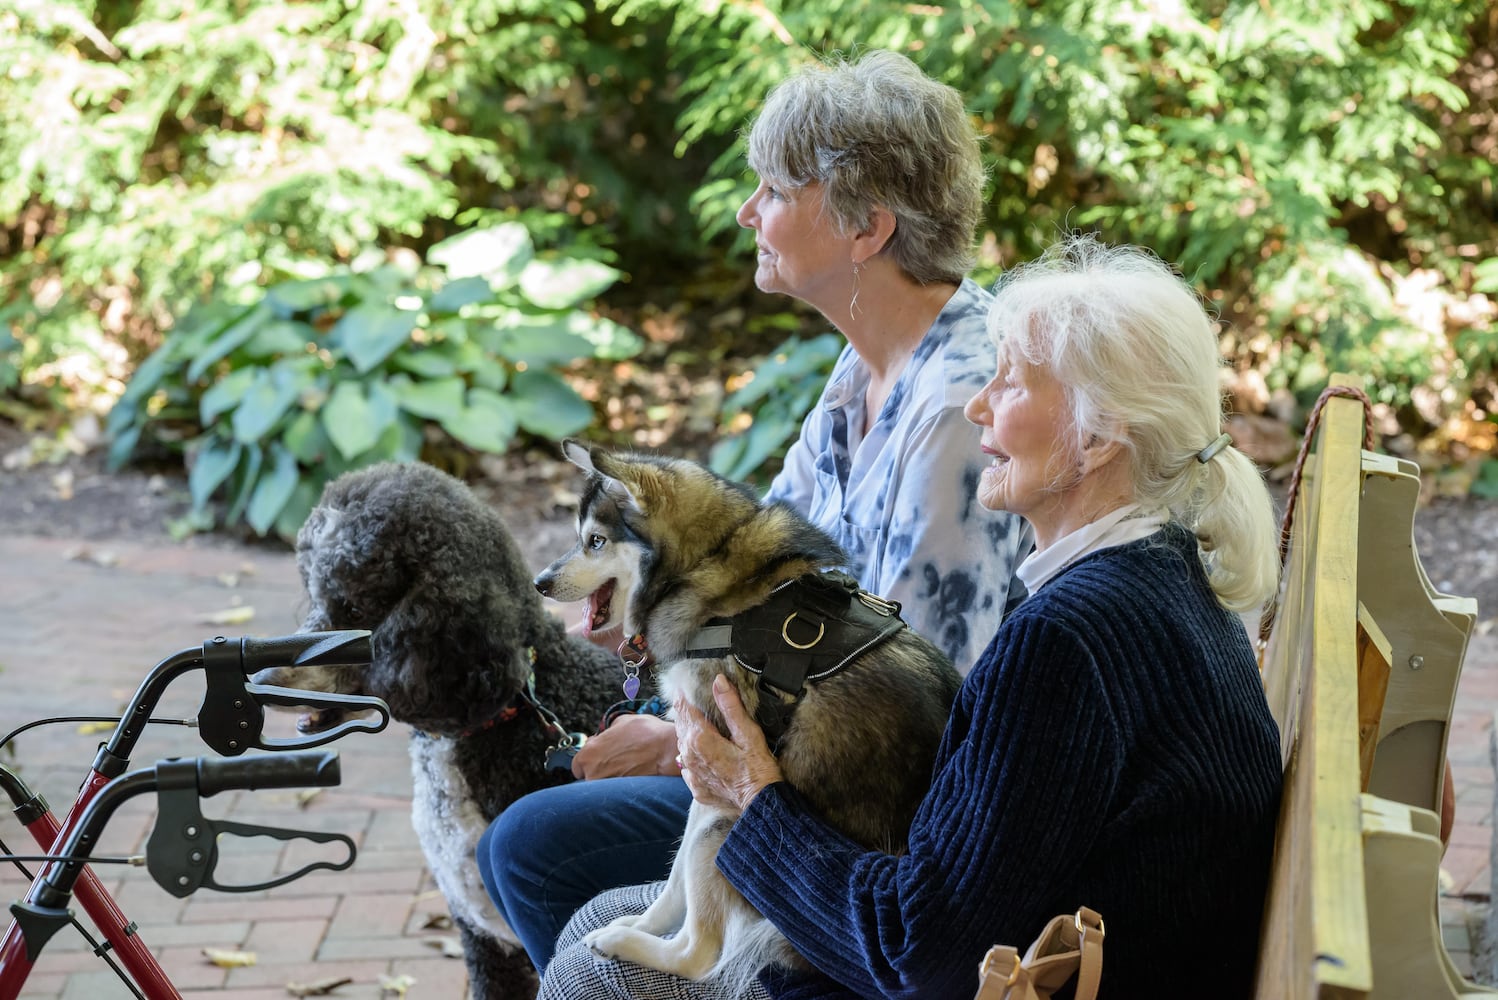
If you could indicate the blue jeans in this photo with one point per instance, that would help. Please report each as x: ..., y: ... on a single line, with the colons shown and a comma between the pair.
x: 553, y: 850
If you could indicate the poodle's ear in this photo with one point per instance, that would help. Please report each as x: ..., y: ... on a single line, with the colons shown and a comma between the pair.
x: 322, y: 524
x: 440, y: 666
x: 600, y: 465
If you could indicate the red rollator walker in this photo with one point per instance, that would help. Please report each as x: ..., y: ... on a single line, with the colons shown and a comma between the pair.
x: 183, y: 849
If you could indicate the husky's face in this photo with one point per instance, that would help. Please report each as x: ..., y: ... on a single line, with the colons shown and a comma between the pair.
x: 646, y: 526
x: 601, y: 569
x: 604, y: 566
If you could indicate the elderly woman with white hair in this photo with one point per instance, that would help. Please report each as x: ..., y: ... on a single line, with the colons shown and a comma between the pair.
x: 1112, y: 748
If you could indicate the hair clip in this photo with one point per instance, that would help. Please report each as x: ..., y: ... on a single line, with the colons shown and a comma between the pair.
x: 1211, y: 451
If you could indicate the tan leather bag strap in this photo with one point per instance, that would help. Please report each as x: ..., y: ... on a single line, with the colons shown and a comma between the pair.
x: 1071, y: 944
x: 1090, y: 964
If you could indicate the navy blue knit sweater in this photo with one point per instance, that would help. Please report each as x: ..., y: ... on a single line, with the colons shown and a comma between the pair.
x: 1112, y: 748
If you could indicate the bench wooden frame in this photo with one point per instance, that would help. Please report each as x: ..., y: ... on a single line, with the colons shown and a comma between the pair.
x: 1360, y: 671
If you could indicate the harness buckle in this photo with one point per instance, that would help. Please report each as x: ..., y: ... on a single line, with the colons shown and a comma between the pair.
x: 878, y: 604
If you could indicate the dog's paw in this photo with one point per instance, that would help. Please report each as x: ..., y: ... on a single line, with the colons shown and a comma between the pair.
x: 628, y: 920
x: 606, y: 942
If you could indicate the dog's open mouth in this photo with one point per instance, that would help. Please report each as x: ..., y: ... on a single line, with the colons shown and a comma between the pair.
x: 319, y: 720
x: 598, y: 607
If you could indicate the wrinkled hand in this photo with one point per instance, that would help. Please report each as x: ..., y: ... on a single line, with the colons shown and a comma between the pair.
x: 632, y: 745
x: 724, y: 773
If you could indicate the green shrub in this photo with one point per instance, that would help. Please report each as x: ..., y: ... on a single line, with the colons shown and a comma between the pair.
x: 1296, y: 159
x: 773, y: 403
x: 155, y: 152
x: 271, y: 394
x: 1299, y: 159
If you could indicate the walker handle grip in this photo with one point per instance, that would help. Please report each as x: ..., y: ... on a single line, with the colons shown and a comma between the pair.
x: 349, y: 647
x: 308, y: 769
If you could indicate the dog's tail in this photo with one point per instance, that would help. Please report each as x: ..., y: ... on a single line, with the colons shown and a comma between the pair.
x: 750, y: 943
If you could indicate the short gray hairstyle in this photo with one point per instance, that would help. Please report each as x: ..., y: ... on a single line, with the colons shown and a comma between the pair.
x: 878, y: 132
x: 1138, y: 358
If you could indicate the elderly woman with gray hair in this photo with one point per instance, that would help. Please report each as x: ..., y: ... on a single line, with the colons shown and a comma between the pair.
x: 1112, y: 747
x: 869, y: 196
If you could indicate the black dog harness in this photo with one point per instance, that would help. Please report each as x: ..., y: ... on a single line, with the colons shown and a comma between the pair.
x: 808, y: 629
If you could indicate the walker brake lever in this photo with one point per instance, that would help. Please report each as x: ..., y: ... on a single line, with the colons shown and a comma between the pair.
x: 231, y: 718
x: 182, y: 851
x: 184, y: 848
x: 265, y: 694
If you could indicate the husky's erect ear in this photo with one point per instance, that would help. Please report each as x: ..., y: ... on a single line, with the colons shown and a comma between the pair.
x: 595, y: 462
x: 578, y: 454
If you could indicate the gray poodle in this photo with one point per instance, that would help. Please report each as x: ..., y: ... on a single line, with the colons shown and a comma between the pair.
x: 409, y: 552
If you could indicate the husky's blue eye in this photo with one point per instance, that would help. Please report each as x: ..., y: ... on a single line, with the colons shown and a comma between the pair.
x: 596, y: 542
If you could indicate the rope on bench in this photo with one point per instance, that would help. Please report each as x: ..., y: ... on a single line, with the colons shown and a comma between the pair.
x: 1271, y: 607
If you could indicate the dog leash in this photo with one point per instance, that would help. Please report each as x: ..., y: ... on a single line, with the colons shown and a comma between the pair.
x: 559, y: 755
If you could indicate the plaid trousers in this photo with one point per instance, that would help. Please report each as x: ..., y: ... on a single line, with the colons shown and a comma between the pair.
x: 575, y: 973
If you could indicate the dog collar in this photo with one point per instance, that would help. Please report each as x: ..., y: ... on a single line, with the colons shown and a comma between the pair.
x: 510, y: 709
x: 506, y: 713
x: 808, y: 629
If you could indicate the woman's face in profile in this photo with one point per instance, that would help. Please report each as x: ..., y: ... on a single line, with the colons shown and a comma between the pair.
x: 799, y: 253
x: 1024, y: 417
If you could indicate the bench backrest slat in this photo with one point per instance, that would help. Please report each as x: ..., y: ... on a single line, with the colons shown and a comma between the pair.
x: 1310, y: 676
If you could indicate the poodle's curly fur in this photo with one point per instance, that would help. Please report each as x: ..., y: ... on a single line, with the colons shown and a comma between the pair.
x: 409, y: 552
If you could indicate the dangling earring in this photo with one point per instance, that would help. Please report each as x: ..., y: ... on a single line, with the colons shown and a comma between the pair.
x: 853, y: 303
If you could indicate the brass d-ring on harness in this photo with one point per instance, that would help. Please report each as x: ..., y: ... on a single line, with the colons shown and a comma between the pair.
x: 786, y: 635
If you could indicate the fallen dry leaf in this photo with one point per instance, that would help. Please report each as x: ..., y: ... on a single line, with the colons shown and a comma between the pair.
x: 437, y: 922
x: 94, y: 728
x: 228, y: 958
x: 304, y: 796
x: 82, y: 553
x: 450, y: 947
x: 229, y: 616
x: 320, y: 988
x: 396, y: 986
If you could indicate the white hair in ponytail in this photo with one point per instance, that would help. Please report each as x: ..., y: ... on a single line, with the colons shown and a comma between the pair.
x: 1138, y: 356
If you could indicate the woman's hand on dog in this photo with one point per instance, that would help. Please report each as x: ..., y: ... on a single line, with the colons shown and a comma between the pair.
x: 725, y: 773
x: 632, y: 745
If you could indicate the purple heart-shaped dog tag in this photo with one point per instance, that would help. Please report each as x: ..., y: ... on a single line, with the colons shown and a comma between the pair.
x: 631, y: 686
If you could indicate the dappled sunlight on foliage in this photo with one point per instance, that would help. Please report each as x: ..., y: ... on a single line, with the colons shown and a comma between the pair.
x: 1324, y: 173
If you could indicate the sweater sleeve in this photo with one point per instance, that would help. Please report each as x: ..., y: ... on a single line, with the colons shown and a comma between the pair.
x: 1024, y: 778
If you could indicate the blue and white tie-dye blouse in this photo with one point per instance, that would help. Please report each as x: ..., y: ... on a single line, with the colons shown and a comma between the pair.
x: 901, y: 498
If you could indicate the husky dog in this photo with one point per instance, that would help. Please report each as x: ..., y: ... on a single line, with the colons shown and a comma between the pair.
x: 709, y: 580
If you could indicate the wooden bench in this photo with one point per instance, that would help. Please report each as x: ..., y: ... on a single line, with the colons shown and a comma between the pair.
x: 1361, y: 671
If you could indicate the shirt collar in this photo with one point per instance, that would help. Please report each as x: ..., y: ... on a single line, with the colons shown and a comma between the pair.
x: 1128, y: 523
